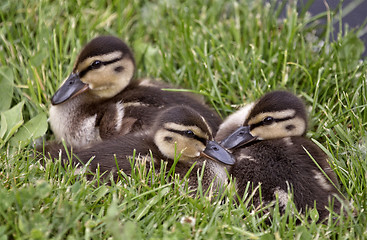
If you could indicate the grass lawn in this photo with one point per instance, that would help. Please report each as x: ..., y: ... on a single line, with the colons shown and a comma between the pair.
x: 231, y: 52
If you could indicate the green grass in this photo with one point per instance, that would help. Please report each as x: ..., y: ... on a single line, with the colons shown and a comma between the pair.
x: 232, y: 52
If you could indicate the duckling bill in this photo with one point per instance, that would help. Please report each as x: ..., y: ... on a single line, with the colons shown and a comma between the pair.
x: 271, y: 150
x: 238, y: 138
x: 71, y: 88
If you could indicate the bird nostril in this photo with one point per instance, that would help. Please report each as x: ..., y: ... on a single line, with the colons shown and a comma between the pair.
x: 241, y: 133
x: 215, y: 148
x: 71, y: 82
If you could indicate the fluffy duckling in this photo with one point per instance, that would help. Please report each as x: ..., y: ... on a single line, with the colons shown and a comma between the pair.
x: 100, y: 98
x: 270, y: 148
x: 176, y: 131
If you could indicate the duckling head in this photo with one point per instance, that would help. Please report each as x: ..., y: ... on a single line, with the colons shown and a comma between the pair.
x: 278, y: 114
x: 181, y: 130
x: 104, y: 68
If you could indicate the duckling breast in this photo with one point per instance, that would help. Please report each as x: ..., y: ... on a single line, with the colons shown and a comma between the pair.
x: 73, y: 124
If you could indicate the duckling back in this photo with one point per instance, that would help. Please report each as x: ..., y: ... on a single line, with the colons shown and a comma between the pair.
x: 143, y: 102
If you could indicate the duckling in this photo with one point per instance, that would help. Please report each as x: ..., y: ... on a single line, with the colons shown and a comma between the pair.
x: 100, y: 98
x: 176, y: 130
x: 271, y: 149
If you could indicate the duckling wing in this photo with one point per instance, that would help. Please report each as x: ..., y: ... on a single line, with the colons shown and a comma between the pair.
x: 114, y: 123
x: 144, y: 103
x: 317, y: 155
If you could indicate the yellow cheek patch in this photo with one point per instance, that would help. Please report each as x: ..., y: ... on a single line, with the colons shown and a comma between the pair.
x: 280, y: 129
x: 105, y: 82
x: 188, y: 147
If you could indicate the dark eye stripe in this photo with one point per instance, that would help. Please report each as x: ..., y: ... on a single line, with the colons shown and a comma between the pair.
x: 200, y: 139
x: 255, y: 125
x: 83, y: 72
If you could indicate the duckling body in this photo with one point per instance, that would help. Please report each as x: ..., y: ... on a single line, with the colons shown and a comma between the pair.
x: 271, y: 150
x: 100, y: 99
x: 280, y: 166
x: 177, y: 130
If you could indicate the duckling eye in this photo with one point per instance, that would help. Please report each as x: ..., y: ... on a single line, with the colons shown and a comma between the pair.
x: 96, y: 64
x: 268, y: 120
x: 189, y: 134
